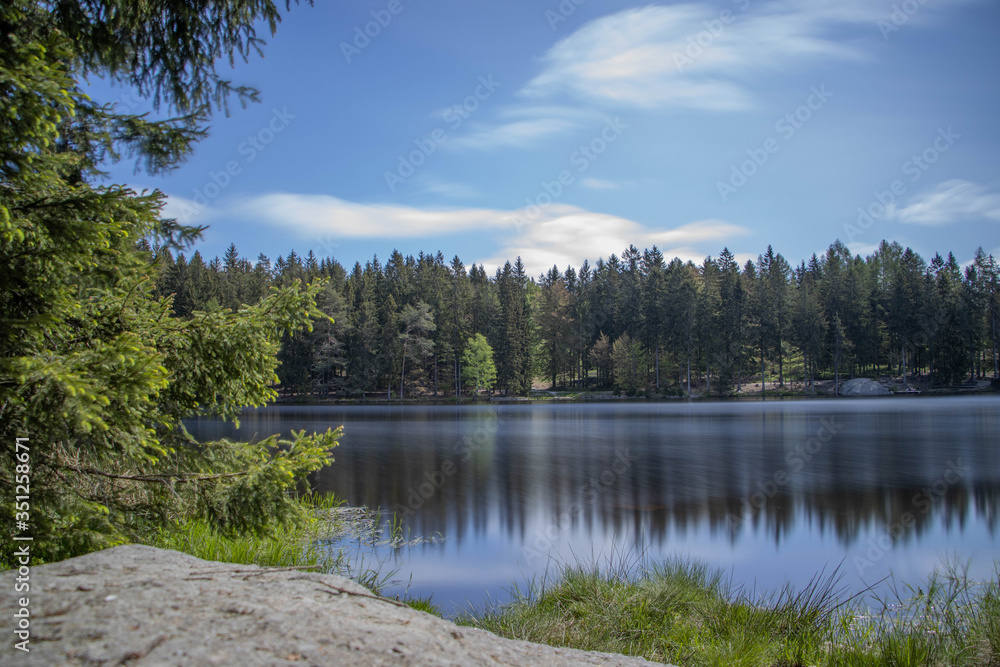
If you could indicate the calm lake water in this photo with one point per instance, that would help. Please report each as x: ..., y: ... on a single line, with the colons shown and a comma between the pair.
x: 770, y: 491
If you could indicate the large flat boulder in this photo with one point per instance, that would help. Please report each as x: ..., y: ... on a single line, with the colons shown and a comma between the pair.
x: 862, y: 387
x: 144, y: 606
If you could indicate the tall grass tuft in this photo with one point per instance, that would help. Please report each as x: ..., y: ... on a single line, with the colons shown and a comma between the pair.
x: 687, y: 613
x: 306, y: 544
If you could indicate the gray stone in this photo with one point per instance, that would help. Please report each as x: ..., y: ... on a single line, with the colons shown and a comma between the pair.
x: 145, y: 606
x: 862, y: 387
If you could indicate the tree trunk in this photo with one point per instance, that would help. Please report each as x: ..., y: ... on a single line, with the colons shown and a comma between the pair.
x: 762, y: 384
x: 781, y: 364
x: 993, y: 321
x: 836, y: 368
x: 657, y: 366
x: 902, y: 349
x: 689, y: 372
x: 402, y: 372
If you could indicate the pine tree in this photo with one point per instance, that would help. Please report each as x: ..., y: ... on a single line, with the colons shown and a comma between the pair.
x: 708, y: 316
x: 417, y: 322
x: 809, y: 324
x: 653, y: 313
x: 95, y: 371
x: 555, y: 324
x: 732, y: 319
x: 679, y: 303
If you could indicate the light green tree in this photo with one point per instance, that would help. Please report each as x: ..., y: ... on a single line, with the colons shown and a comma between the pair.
x: 628, y: 357
x: 478, y: 364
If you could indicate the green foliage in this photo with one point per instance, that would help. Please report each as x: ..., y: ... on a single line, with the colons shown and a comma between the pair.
x: 94, y: 367
x: 424, y: 604
x: 199, y: 539
x: 478, y: 364
x: 415, y: 338
x: 684, y: 613
x: 718, y: 325
x: 629, y: 359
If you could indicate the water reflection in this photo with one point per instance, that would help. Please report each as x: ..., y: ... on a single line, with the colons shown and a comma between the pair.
x: 757, y: 483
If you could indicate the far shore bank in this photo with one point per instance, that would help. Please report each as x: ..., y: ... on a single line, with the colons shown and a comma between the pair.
x: 913, y: 388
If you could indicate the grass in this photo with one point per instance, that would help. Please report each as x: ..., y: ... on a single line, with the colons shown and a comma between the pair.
x: 312, y: 545
x: 688, y: 614
x: 424, y: 604
x: 676, y: 611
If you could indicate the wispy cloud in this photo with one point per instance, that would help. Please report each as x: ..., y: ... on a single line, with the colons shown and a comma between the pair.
x: 561, y: 235
x: 522, y: 126
x: 568, y: 235
x: 601, y: 184
x: 451, y: 190
x: 863, y: 249
x: 331, y: 216
x: 692, y: 55
x: 952, y: 201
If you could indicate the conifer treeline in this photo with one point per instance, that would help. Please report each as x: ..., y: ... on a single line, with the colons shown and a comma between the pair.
x: 636, y: 322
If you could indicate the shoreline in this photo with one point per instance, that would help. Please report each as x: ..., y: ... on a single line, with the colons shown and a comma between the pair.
x: 821, y: 390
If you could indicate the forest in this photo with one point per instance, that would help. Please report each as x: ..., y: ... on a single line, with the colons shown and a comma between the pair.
x: 637, y: 323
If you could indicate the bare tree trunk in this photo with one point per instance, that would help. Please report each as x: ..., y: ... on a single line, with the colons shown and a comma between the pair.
x: 781, y: 364
x: 993, y: 321
x: 689, y: 372
x: 836, y: 368
x: 708, y: 372
x: 402, y: 372
x: 932, y: 365
x: 657, y: 366
x: 903, y: 351
x: 762, y: 383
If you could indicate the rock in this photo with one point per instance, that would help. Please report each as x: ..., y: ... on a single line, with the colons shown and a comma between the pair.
x: 862, y: 387
x: 146, y: 606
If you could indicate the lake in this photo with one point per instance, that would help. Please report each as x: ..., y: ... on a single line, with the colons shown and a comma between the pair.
x: 771, y: 491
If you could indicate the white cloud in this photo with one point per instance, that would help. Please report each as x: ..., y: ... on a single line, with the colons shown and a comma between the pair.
x: 565, y: 236
x: 186, y: 211
x: 323, y: 214
x: 601, y: 184
x: 521, y: 126
x: 863, y: 249
x: 559, y: 234
x: 952, y: 201
x: 517, y: 134
x: 451, y: 190
x: 689, y: 55
x: 683, y: 55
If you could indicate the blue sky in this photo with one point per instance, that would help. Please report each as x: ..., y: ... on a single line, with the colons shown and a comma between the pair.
x: 560, y: 132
